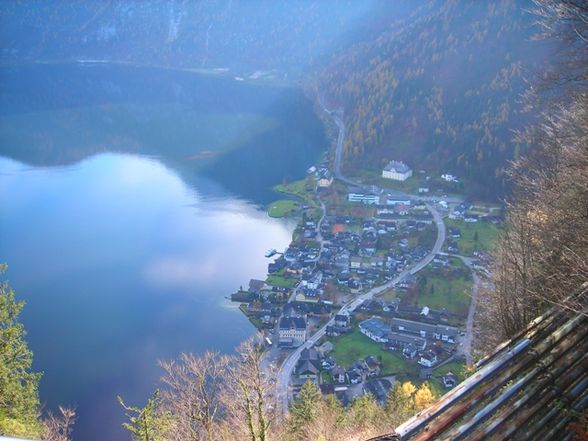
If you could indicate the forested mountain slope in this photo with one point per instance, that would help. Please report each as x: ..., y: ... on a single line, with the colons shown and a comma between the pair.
x: 440, y: 90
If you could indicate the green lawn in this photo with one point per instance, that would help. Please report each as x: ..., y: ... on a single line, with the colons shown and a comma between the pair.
x: 436, y: 382
x: 299, y: 189
x: 468, y: 243
x: 354, y: 346
x: 441, y: 291
x: 455, y: 367
x: 389, y: 294
x: 282, y: 208
x: 281, y: 280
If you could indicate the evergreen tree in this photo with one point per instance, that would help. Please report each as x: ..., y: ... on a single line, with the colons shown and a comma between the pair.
x: 305, y: 407
x: 19, y: 397
x: 147, y: 423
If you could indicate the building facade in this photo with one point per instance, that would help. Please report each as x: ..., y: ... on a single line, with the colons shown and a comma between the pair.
x: 397, y: 170
x: 292, y: 331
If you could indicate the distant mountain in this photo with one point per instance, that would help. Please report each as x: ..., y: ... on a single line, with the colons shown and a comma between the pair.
x: 260, y: 34
x: 432, y: 82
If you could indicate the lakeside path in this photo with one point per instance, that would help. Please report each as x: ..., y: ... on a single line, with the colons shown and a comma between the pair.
x: 287, y: 367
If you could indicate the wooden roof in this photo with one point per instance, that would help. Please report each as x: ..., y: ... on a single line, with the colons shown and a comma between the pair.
x: 531, y: 387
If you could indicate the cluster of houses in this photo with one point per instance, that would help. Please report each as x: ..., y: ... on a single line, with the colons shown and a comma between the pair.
x: 322, y: 175
x: 357, y: 254
x: 346, y: 383
x: 410, y: 338
x: 466, y: 212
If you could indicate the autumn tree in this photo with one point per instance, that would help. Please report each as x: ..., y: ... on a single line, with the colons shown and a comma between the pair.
x: 423, y: 397
x: 329, y: 424
x: 249, y: 398
x: 59, y: 427
x: 541, y: 257
x: 193, y: 394
x: 365, y: 417
x: 305, y: 407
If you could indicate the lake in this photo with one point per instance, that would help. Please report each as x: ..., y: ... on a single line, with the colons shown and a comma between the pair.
x: 132, y: 204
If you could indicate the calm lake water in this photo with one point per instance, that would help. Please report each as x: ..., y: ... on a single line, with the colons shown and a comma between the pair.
x: 131, y: 205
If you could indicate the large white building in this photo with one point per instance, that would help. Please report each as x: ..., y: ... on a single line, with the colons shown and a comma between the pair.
x: 292, y: 331
x: 397, y: 170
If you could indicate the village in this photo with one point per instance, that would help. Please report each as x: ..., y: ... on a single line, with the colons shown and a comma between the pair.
x: 350, y: 240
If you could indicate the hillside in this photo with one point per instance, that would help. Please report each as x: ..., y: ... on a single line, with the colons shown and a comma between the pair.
x: 439, y: 90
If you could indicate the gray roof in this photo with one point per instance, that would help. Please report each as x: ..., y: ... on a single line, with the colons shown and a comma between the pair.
x: 292, y: 323
x: 309, y: 354
x: 407, y: 339
x: 375, y: 326
x: 397, y: 166
x: 307, y: 367
x: 378, y: 388
x: 416, y: 327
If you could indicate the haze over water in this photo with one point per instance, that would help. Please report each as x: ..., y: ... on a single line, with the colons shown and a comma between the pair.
x: 124, y: 253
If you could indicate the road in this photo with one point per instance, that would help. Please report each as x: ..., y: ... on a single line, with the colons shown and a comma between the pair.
x: 477, y: 284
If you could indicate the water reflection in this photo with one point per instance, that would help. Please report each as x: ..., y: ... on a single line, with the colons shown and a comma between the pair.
x: 121, y: 264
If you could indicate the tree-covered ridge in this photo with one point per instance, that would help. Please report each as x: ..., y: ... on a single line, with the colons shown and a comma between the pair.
x: 440, y: 89
x: 264, y: 34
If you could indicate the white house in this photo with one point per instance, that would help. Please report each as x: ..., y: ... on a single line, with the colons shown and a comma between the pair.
x: 325, y: 179
x: 449, y: 177
x: 366, y: 198
x: 292, y: 331
x: 397, y: 170
x: 427, y: 359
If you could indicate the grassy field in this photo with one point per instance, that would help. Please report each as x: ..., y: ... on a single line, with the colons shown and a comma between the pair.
x: 478, y: 236
x: 282, y: 208
x: 389, y: 294
x: 440, y: 291
x: 299, y: 189
x: 436, y: 381
x: 354, y: 346
x: 457, y: 368
x: 280, y: 280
